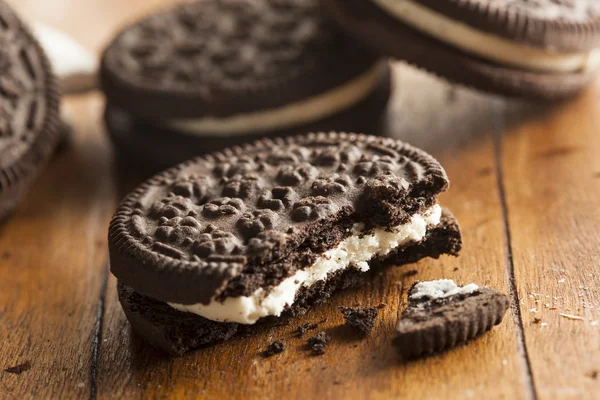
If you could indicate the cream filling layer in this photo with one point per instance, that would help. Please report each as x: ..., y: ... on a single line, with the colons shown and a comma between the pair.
x: 487, y: 45
x: 300, y: 112
x: 354, y: 251
x: 440, y: 289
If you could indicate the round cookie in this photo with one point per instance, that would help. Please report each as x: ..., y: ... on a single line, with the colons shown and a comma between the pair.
x: 535, y: 49
x: 232, y: 70
x: 215, y: 225
x: 29, y: 102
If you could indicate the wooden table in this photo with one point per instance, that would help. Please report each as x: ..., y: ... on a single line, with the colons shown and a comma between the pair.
x: 525, y: 187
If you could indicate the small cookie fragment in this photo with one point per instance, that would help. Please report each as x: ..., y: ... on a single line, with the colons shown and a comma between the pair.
x: 274, y: 348
x: 318, y: 343
x: 442, y: 315
x: 361, y: 319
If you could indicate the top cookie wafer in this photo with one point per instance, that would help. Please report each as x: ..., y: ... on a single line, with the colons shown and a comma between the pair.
x: 28, y: 107
x: 187, y: 233
x: 224, y: 57
x: 566, y: 25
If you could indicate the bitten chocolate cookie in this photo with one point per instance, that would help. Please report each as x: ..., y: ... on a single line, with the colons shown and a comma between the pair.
x: 269, y: 229
x: 29, y: 118
x: 543, y: 49
x: 442, y: 315
x: 211, y: 73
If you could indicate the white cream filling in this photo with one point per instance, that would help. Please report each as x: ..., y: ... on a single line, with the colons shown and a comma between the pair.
x: 304, y: 111
x: 487, y: 45
x: 354, y: 251
x: 440, y: 289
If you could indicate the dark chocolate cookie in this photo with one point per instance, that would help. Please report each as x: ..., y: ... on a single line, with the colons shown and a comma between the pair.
x: 142, y: 144
x: 29, y: 118
x: 441, y: 315
x: 231, y: 70
x: 177, y: 332
x: 212, y: 224
x: 537, y: 49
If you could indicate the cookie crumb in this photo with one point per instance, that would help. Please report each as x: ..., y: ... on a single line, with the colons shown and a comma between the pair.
x: 318, y: 343
x: 19, y: 369
x: 304, y: 328
x: 593, y: 374
x: 362, y: 319
x: 536, y: 320
x: 274, y: 348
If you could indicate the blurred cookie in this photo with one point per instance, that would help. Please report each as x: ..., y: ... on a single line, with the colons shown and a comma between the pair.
x: 29, y: 109
x: 211, y: 73
x: 543, y: 49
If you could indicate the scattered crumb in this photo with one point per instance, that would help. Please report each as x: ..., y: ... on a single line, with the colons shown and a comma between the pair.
x: 381, y: 305
x: 80, y: 385
x: 318, y: 343
x: 561, y: 280
x: 504, y: 362
x: 536, y: 320
x: 455, y: 269
x: 304, y: 328
x: 594, y: 323
x: 362, y: 319
x: 410, y: 272
x: 593, y: 374
x: 571, y: 316
x: 6, y: 255
x: 274, y: 348
x: 533, y: 310
x: 543, y: 324
x: 19, y: 369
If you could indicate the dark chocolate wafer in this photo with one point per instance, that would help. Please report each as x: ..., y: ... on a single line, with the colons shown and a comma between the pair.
x: 441, y: 315
x: 29, y: 118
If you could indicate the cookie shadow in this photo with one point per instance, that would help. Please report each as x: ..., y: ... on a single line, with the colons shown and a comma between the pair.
x: 438, y: 116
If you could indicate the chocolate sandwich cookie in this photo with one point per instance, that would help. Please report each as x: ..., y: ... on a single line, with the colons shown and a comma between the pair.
x: 266, y: 230
x: 29, y: 102
x: 205, y: 75
x: 543, y: 49
x: 441, y: 315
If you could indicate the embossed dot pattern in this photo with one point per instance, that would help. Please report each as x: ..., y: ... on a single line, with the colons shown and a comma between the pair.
x: 238, y: 205
x: 224, y: 43
x: 23, y: 86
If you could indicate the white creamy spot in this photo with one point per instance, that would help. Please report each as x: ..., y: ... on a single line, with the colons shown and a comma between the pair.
x: 440, y: 289
x: 355, y: 251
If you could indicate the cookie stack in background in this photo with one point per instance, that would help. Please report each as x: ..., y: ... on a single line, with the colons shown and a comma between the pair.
x: 204, y: 75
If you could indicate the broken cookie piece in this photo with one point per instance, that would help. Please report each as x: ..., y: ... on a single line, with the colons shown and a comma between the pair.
x: 361, y: 319
x: 442, y: 315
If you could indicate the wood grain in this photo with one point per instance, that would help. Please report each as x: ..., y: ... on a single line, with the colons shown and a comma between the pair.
x: 50, y: 258
x: 551, y: 178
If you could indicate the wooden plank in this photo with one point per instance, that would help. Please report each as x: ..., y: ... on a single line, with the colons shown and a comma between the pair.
x: 551, y: 178
x: 427, y: 112
x: 51, y: 255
